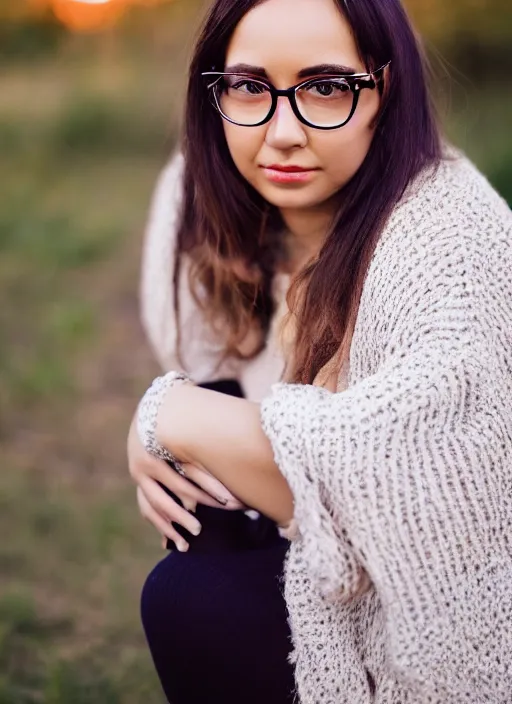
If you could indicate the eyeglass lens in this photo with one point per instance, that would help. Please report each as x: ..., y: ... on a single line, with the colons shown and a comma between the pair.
x: 325, y: 102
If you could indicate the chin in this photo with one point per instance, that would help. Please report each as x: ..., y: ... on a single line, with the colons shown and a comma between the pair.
x: 297, y: 199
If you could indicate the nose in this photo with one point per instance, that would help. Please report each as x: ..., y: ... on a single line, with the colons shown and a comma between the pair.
x: 285, y: 131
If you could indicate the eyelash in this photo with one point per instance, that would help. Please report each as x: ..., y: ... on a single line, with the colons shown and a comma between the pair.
x: 317, y: 82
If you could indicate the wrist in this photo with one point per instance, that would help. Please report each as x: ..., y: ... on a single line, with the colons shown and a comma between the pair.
x: 171, y: 424
x: 149, y: 414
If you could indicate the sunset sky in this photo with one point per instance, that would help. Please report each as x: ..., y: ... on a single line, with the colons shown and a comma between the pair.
x: 90, y: 15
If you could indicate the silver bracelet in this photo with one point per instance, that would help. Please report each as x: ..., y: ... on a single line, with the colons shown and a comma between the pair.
x: 147, y: 415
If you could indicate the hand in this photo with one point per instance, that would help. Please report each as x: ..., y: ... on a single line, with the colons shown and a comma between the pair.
x: 158, y: 507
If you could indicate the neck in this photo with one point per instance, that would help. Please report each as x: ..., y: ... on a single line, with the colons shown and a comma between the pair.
x: 306, y: 234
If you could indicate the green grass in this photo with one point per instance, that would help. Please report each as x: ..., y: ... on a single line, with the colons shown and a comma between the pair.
x: 77, y: 171
x: 33, y: 672
x: 69, y: 629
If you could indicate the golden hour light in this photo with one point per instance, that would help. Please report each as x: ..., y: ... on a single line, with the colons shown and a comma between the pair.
x: 88, y: 15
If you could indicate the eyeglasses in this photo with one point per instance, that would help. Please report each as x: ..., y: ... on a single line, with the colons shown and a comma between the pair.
x: 325, y: 103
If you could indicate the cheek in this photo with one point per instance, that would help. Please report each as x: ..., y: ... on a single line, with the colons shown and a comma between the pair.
x: 343, y: 153
x: 244, y: 143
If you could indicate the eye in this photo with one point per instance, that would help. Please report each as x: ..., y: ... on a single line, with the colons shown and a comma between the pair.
x: 331, y: 88
x: 246, y: 86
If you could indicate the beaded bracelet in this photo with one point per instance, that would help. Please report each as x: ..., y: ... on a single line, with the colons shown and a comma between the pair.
x: 147, y: 415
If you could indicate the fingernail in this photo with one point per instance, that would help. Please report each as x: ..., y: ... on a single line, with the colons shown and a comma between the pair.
x: 222, y: 500
x: 196, y: 529
x: 182, y: 546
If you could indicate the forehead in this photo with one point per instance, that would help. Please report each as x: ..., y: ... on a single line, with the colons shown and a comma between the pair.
x: 284, y: 36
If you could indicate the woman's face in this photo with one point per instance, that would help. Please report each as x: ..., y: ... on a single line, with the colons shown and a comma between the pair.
x: 285, y: 37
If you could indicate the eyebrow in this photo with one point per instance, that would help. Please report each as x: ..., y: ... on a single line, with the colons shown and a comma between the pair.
x: 325, y: 69
x: 318, y: 70
x: 247, y: 68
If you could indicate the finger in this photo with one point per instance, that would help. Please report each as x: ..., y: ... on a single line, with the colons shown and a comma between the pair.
x: 212, y: 486
x: 163, y: 527
x: 184, y: 489
x: 141, y: 463
x: 166, y: 507
x: 144, y: 465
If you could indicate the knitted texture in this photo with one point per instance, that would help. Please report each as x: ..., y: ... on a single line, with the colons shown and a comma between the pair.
x: 147, y: 415
x: 399, y: 586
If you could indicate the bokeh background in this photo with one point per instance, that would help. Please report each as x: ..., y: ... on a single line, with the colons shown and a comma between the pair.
x: 90, y: 104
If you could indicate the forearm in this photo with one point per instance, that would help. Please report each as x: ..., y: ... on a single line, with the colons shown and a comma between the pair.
x: 224, y: 435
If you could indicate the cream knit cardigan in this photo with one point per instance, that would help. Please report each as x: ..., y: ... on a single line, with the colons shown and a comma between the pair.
x: 399, y: 584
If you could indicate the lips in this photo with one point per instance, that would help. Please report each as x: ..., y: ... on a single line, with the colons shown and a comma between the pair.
x: 292, y: 169
x: 289, y: 174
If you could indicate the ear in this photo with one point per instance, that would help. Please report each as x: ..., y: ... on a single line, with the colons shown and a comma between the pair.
x: 383, y: 88
x: 383, y: 84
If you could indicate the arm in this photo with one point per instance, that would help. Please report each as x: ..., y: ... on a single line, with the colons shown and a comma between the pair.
x: 202, y: 348
x: 224, y: 435
x: 158, y: 255
x: 407, y: 475
x: 202, y: 355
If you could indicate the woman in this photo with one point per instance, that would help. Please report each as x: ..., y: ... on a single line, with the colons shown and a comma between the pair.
x: 386, y: 453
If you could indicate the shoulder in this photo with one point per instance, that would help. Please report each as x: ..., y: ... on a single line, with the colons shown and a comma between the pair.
x: 450, y: 213
x: 451, y: 199
x: 445, y: 254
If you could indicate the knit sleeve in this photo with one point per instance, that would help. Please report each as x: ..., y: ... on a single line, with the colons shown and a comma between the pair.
x: 201, y: 350
x: 403, y: 481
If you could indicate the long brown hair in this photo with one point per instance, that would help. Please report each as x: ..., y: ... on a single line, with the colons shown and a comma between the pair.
x: 231, y: 235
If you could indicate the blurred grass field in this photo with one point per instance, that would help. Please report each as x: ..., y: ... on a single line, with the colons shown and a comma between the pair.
x: 83, y: 134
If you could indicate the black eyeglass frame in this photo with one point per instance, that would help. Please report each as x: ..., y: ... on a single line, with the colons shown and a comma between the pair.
x: 355, y: 81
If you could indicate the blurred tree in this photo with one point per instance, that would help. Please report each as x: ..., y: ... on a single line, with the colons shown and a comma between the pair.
x: 443, y: 20
x: 475, y: 34
x: 25, y: 33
